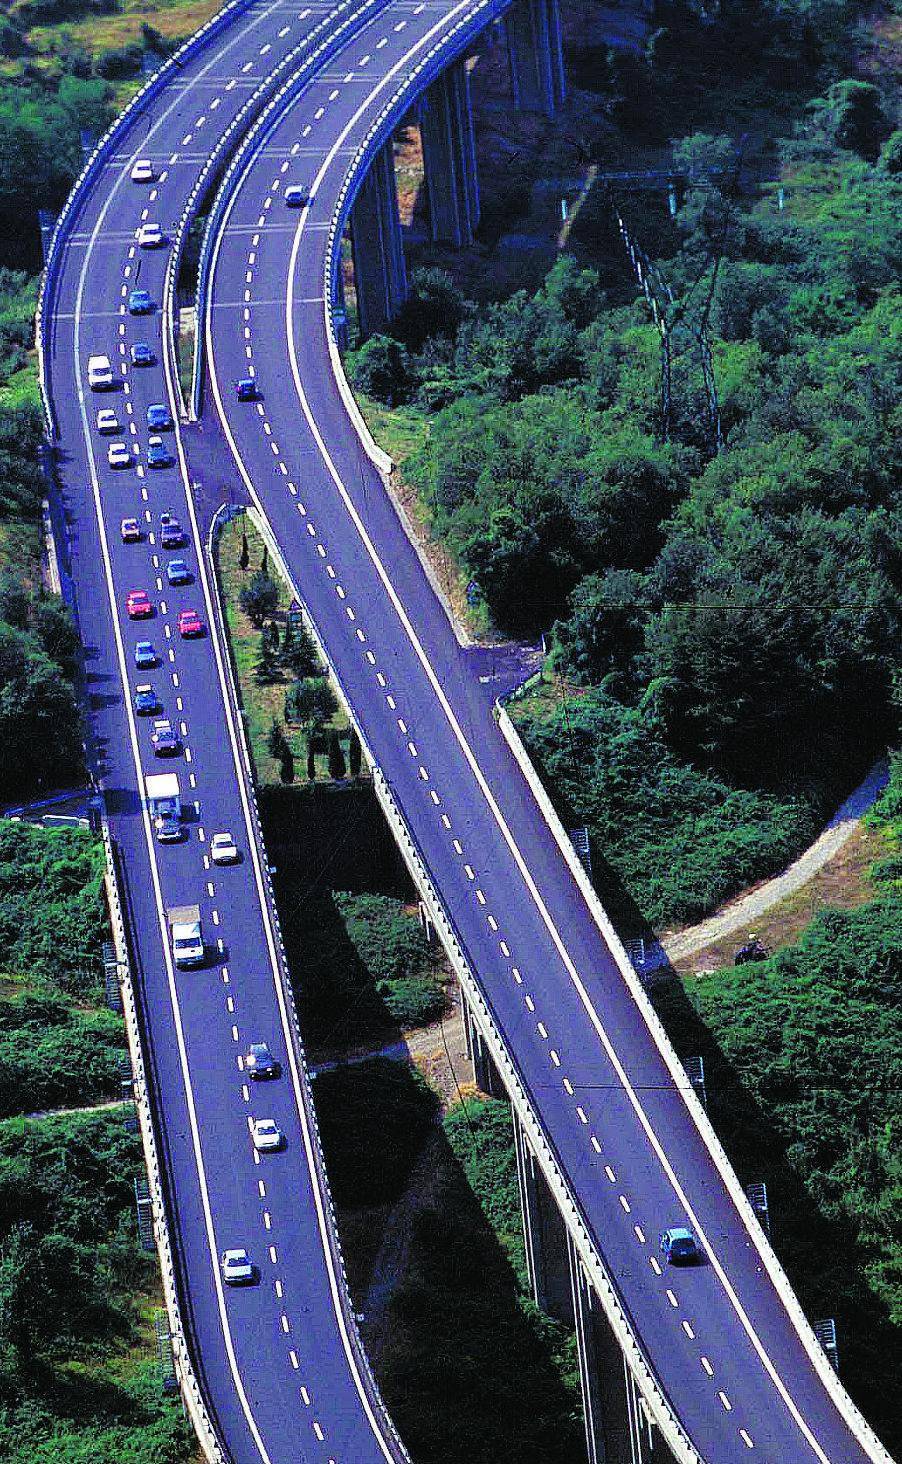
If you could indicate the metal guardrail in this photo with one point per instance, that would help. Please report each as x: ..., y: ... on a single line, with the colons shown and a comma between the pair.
x: 390, y: 1433
x: 854, y: 1419
x: 155, y: 84
x: 191, y: 1393
x: 621, y: 1323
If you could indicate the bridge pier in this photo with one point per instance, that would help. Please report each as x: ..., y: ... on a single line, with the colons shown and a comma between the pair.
x: 380, y: 274
x: 449, y: 156
x: 535, y: 56
x: 618, y: 1427
x: 545, y: 1235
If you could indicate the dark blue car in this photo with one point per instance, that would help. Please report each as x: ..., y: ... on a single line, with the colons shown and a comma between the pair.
x: 158, y: 418
x: 140, y: 303
x: 142, y: 354
x: 246, y: 389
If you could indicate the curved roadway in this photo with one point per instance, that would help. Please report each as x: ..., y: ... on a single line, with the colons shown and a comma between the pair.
x: 719, y: 1337
x: 279, y: 1361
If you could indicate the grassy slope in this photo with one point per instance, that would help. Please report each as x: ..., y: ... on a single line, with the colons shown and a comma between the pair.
x: 89, y: 1393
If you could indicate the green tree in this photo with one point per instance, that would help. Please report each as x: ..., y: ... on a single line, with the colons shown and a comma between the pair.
x: 310, y: 703
x: 382, y: 370
x: 337, y: 768
x: 260, y: 598
x: 299, y: 655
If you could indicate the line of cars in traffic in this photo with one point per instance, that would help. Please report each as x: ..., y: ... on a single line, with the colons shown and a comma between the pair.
x: 259, y: 1063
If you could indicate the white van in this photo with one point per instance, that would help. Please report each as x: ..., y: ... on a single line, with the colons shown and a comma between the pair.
x: 100, y: 373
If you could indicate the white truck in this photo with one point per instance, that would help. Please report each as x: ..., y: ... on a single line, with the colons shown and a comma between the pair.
x: 163, y: 797
x: 186, y: 935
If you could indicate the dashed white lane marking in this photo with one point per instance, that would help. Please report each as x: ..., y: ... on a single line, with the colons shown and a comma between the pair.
x: 655, y: 1265
x: 728, y: 1407
x: 293, y: 1358
x: 745, y: 1439
x: 707, y: 1366
x: 671, y: 1298
x: 625, y: 1203
x: 285, y: 1327
x: 318, y: 1431
x: 610, y: 1173
x: 272, y: 1255
x: 688, y: 1330
x: 640, y: 1234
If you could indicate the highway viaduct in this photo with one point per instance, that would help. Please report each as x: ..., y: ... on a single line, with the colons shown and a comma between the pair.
x: 611, y: 1140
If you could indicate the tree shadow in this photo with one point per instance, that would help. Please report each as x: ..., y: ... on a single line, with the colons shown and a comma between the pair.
x: 467, y: 1364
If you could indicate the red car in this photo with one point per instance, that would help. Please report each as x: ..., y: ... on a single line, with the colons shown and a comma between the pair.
x: 138, y: 605
x: 190, y: 624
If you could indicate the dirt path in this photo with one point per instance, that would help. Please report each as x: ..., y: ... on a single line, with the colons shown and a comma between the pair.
x: 742, y: 913
x: 438, y: 1050
x: 65, y: 1112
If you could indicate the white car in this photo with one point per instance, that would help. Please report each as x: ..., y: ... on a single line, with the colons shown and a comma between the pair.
x: 236, y: 1267
x: 118, y: 455
x: 266, y: 1134
x: 150, y: 236
x: 223, y: 849
x: 100, y: 373
x: 142, y: 171
x: 107, y: 421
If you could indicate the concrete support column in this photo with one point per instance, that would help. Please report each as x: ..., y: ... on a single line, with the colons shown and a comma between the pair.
x: 618, y: 1426
x: 545, y: 1235
x: 536, y: 56
x: 380, y: 274
x: 485, y: 1074
x: 449, y: 155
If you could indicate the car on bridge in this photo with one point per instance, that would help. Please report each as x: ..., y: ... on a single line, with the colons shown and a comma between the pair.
x: 171, y: 535
x: 142, y: 354
x: 145, y: 655
x: 165, y: 739
x: 150, y: 236
x: 169, y: 831
x: 190, y: 625
x: 223, y: 849
x: 260, y: 1063
x: 138, y: 605
x: 178, y: 573
x: 142, y: 171
x: 119, y: 455
x: 100, y: 373
x: 237, y: 1267
x: 130, y: 530
x: 246, y: 389
x: 266, y: 1134
x: 296, y: 196
x: 107, y: 421
x: 146, y: 700
x: 679, y: 1246
x: 140, y: 302
x: 159, y: 417
x: 158, y: 454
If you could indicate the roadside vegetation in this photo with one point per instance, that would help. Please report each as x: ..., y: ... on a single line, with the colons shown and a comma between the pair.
x: 78, y: 1378
x: 723, y: 618
x: 297, y: 729
x: 804, y: 1079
